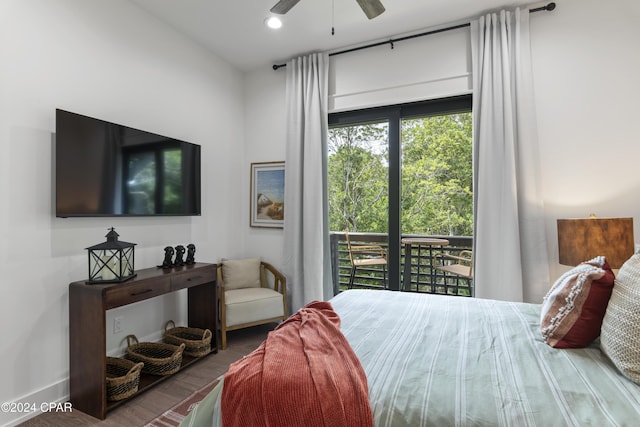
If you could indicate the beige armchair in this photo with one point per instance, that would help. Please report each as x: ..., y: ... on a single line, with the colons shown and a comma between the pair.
x: 250, y: 292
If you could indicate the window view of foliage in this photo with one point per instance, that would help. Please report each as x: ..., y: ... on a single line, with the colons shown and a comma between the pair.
x: 358, y: 178
x: 436, y: 195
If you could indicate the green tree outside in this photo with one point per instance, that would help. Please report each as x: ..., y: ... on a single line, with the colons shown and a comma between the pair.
x: 358, y: 178
x: 436, y: 197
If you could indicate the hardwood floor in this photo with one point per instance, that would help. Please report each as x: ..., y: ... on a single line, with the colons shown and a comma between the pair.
x: 155, y: 401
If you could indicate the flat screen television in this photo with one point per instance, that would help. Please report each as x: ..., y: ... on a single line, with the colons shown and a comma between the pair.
x: 106, y: 169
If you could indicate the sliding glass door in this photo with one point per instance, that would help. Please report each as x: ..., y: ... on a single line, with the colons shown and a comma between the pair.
x: 399, y: 170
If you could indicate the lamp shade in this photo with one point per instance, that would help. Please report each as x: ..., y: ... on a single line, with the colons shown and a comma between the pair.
x: 582, y: 239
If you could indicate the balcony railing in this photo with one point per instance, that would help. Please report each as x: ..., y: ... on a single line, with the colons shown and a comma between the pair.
x: 423, y: 277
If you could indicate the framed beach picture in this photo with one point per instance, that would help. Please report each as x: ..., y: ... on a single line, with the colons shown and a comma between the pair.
x: 267, y: 194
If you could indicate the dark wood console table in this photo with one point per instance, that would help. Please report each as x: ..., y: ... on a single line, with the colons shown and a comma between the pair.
x: 87, y: 325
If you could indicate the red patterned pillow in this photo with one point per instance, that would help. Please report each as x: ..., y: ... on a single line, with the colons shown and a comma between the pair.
x: 574, y: 307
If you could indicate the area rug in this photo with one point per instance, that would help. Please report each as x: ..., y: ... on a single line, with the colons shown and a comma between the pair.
x: 174, y: 416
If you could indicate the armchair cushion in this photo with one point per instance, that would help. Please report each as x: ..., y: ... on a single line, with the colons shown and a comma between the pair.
x: 241, y: 273
x: 252, y: 304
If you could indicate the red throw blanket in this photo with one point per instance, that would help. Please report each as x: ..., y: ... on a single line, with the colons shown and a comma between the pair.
x: 304, y: 374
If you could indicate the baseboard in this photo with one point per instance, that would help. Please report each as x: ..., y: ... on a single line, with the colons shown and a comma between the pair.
x: 53, y: 397
x: 49, y: 398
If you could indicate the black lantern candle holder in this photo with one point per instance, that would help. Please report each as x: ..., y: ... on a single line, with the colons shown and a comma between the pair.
x: 111, y: 261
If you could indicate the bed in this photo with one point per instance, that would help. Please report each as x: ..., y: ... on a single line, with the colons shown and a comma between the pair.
x: 433, y: 360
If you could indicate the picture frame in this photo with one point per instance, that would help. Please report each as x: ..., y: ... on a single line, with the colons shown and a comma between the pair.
x: 267, y: 195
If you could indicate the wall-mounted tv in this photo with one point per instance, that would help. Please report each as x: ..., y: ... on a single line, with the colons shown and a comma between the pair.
x: 106, y: 169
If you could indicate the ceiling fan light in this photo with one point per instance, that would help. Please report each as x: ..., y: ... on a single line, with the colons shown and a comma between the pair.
x: 273, y: 22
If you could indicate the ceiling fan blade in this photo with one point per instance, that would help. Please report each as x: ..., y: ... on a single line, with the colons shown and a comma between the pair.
x: 283, y: 6
x: 371, y: 8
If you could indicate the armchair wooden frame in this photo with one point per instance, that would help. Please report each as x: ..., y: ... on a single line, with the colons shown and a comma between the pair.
x: 366, y: 256
x: 278, y: 283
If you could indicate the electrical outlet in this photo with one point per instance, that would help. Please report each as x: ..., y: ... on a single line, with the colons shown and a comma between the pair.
x: 118, y: 324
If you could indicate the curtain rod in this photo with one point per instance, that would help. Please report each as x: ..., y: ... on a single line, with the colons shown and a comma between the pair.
x: 549, y: 7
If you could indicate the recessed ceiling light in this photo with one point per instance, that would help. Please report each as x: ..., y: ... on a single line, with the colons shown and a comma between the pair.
x: 273, y: 22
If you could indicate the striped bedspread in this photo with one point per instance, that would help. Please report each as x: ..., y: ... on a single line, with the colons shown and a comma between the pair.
x: 452, y: 361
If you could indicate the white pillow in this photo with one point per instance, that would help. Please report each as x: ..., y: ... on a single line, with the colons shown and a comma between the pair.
x: 241, y: 273
x: 620, y: 336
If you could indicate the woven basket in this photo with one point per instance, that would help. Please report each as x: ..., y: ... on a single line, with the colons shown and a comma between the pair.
x: 197, y: 341
x: 158, y: 358
x: 123, y: 377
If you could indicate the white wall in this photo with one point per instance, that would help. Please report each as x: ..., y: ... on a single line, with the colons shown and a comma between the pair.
x: 264, y: 142
x: 586, y: 62
x: 109, y: 60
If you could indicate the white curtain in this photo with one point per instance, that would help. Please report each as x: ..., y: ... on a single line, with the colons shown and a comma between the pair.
x: 510, y: 248
x: 307, y: 261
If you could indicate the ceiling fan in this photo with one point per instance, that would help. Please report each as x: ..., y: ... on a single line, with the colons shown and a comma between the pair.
x: 371, y: 8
